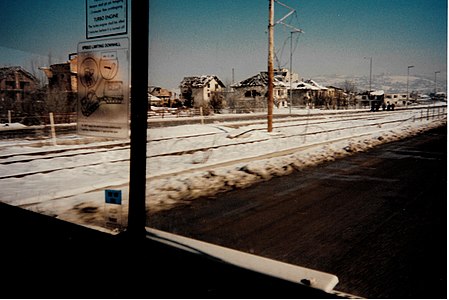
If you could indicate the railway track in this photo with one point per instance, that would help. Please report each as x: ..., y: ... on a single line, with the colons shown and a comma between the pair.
x: 228, y: 135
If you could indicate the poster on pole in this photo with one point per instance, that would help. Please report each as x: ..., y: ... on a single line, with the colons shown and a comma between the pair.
x: 106, y: 18
x: 103, y: 88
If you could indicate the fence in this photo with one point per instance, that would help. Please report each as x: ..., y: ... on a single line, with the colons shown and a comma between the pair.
x: 59, y: 118
x: 163, y: 112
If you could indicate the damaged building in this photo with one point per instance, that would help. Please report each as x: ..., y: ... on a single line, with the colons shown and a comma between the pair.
x: 200, y: 91
x: 62, y: 86
x: 251, y: 94
x: 18, y: 91
x: 159, y: 96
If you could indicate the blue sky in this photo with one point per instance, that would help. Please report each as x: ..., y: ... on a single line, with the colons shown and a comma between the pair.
x: 214, y: 37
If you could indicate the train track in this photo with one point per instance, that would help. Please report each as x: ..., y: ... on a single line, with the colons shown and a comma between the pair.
x: 93, y: 155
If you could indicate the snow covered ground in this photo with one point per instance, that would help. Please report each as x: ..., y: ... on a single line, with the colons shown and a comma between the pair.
x: 189, y: 161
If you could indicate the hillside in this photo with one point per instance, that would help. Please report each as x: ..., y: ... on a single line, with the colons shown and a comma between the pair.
x: 387, y: 82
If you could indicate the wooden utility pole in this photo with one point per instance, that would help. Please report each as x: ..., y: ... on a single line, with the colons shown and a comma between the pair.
x: 270, y: 65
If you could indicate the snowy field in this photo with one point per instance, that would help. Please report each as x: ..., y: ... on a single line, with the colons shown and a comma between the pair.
x: 68, y: 180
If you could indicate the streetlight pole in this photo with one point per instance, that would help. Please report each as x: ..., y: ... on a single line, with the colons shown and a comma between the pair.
x: 408, y: 74
x: 370, y: 71
x: 435, y: 92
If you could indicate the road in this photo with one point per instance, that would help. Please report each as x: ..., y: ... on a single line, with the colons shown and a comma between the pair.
x: 377, y: 219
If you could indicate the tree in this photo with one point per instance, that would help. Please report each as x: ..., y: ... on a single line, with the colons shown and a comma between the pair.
x: 349, y: 87
x: 216, y: 102
x: 187, y: 95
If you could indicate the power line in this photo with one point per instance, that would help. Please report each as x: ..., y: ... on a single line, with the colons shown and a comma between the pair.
x: 287, y: 21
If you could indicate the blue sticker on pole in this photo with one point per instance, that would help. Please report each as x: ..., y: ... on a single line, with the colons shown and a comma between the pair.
x: 113, y: 196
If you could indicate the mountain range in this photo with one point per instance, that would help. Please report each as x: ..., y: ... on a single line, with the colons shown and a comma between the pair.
x: 387, y: 82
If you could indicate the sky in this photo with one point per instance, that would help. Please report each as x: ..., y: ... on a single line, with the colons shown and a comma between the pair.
x: 229, y: 38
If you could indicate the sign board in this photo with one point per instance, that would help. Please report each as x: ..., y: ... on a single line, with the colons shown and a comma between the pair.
x: 113, y: 208
x: 106, y: 18
x: 103, y: 88
x: 113, y: 196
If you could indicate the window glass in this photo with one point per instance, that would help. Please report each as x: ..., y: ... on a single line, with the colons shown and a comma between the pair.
x: 47, y: 167
x: 214, y: 171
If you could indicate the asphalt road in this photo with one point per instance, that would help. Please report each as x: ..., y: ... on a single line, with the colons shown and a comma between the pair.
x: 377, y: 220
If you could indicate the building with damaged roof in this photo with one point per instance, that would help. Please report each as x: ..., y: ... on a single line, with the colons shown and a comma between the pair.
x: 62, y: 88
x: 255, y: 88
x: 17, y: 87
x: 198, y: 91
x: 159, y: 96
x: 287, y: 87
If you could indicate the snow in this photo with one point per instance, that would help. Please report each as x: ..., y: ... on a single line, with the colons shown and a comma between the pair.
x: 218, y: 157
x: 377, y: 93
x: 9, y: 126
x: 304, y: 86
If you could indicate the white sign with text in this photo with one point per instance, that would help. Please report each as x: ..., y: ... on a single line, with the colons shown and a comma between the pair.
x: 106, y: 18
x: 103, y: 88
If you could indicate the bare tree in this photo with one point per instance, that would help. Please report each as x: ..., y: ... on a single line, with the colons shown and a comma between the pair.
x: 349, y: 87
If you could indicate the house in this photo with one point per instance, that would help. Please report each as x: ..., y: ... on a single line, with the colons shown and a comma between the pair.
x: 252, y: 92
x: 162, y: 95
x: 17, y: 89
x: 303, y: 94
x: 255, y: 86
x: 62, y: 77
x: 397, y: 99
x: 309, y: 93
x: 373, y: 99
x: 198, y: 91
x: 337, y: 98
x: 154, y: 101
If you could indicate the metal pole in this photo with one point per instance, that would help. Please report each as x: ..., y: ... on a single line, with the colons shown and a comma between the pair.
x: 435, y: 92
x: 270, y: 99
x: 139, y: 109
x: 370, y: 72
x: 408, y: 73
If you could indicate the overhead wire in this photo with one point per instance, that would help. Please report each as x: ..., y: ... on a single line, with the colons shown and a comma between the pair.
x: 292, y: 19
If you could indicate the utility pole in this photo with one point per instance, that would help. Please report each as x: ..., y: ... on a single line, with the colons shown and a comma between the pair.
x: 270, y: 99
